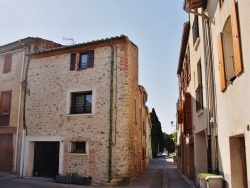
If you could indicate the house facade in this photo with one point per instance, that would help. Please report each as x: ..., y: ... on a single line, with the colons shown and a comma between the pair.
x: 219, y: 43
x: 86, y: 113
x: 185, y: 107
x: 13, y: 66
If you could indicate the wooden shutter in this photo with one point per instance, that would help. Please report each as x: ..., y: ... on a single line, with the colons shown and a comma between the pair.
x: 90, y: 58
x: 236, y: 40
x: 221, y: 62
x: 72, y: 61
x: 77, y: 61
x: 5, y: 102
x: 180, y: 116
x: 7, y: 63
x: 188, y: 114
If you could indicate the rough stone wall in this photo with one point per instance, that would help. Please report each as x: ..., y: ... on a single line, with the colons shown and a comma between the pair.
x: 50, y: 81
x: 124, y: 153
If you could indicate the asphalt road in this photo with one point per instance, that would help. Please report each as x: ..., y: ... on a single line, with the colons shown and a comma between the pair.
x: 161, y: 173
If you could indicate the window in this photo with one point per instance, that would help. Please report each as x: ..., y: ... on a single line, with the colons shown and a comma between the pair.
x: 143, y: 128
x: 82, y: 60
x: 77, y: 147
x: 221, y: 3
x: 229, y: 50
x: 198, y: 91
x: 188, y: 114
x: 81, y: 102
x: 5, y: 103
x: 135, y: 106
x: 195, y: 29
x: 7, y: 63
x: 185, y: 75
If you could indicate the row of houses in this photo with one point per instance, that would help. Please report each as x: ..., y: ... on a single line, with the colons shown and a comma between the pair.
x: 73, y: 109
x: 214, y: 85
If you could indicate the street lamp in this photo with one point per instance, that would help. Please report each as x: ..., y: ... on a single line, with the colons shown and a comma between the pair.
x: 172, y: 123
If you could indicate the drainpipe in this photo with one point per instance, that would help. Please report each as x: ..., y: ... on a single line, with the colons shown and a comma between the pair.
x: 111, y: 112
x: 213, y: 120
x: 207, y: 69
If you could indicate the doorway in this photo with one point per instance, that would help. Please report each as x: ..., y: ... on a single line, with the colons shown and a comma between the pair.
x: 46, y: 159
x: 6, y: 156
x: 238, y: 162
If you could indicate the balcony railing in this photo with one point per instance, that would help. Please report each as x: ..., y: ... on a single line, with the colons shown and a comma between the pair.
x: 199, y: 98
x: 194, y: 4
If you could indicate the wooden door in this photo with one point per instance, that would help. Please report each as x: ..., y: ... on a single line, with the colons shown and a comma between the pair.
x: 6, y: 152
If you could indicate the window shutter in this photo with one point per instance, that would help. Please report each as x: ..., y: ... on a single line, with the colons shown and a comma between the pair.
x: 7, y: 63
x: 180, y: 114
x: 221, y: 62
x: 77, y: 61
x: 188, y: 114
x: 5, y: 102
x: 73, y: 104
x: 90, y: 58
x: 72, y: 61
x: 236, y: 40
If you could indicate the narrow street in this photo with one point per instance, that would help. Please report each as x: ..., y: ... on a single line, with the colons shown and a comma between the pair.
x: 161, y: 173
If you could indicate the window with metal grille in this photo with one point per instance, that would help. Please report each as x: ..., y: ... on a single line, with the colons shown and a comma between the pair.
x: 77, y: 147
x: 81, y: 102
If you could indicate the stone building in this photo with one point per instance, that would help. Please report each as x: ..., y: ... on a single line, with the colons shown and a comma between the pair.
x: 219, y: 62
x: 13, y: 66
x: 86, y: 113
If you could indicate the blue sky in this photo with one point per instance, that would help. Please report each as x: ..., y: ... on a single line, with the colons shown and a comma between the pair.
x: 154, y: 26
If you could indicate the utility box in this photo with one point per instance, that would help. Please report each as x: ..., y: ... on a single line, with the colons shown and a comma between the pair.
x: 215, y: 181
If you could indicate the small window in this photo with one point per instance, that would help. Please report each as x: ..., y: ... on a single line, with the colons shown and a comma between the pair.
x: 77, y: 147
x: 81, y: 102
x: 5, y: 104
x: 7, y: 63
x: 82, y: 60
x: 229, y: 50
x: 195, y: 29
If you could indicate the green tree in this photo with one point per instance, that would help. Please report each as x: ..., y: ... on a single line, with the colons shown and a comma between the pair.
x: 169, y: 141
x: 157, y: 139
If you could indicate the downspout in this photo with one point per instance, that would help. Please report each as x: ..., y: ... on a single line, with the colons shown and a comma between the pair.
x: 214, y: 117
x: 111, y: 112
x: 24, y: 87
x: 207, y: 63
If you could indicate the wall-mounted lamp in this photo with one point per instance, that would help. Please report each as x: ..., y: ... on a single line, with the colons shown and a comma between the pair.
x: 172, y: 123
